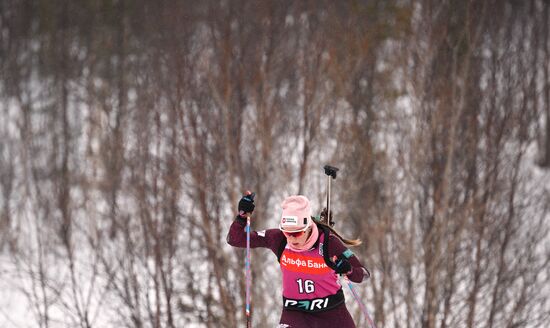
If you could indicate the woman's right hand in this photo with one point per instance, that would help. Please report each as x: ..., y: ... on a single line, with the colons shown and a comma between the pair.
x: 246, y: 204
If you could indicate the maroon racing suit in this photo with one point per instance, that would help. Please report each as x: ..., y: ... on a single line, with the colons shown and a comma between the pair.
x: 324, y: 306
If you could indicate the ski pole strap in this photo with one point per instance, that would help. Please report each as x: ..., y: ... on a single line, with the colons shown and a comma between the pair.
x: 347, y: 253
x: 247, y: 273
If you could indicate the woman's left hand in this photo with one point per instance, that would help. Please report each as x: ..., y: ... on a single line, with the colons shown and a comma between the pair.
x: 342, y: 265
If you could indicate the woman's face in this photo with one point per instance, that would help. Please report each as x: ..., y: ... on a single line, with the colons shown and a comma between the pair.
x: 297, y: 239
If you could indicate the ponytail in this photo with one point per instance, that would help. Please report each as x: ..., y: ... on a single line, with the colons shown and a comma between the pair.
x: 348, y: 242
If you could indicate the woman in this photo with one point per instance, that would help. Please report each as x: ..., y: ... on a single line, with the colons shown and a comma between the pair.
x: 311, y: 256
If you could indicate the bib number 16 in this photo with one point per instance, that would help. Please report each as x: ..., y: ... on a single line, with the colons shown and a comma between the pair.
x: 305, y: 286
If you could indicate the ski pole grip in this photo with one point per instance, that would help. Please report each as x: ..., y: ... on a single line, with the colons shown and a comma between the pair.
x: 250, y: 194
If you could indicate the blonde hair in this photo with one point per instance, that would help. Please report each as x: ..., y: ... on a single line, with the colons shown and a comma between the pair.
x: 348, y: 242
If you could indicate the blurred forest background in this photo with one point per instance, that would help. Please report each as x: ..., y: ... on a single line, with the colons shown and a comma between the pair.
x: 130, y: 128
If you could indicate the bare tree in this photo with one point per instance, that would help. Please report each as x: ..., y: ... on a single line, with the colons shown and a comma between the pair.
x: 130, y: 129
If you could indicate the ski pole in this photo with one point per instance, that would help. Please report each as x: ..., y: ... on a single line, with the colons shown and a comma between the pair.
x: 247, y: 273
x: 361, y: 304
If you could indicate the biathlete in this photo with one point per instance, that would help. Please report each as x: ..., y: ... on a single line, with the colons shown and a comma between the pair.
x: 311, y: 256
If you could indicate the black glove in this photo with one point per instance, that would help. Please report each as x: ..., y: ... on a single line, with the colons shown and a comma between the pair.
x: 343, y: 266
x: 246, y: 204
